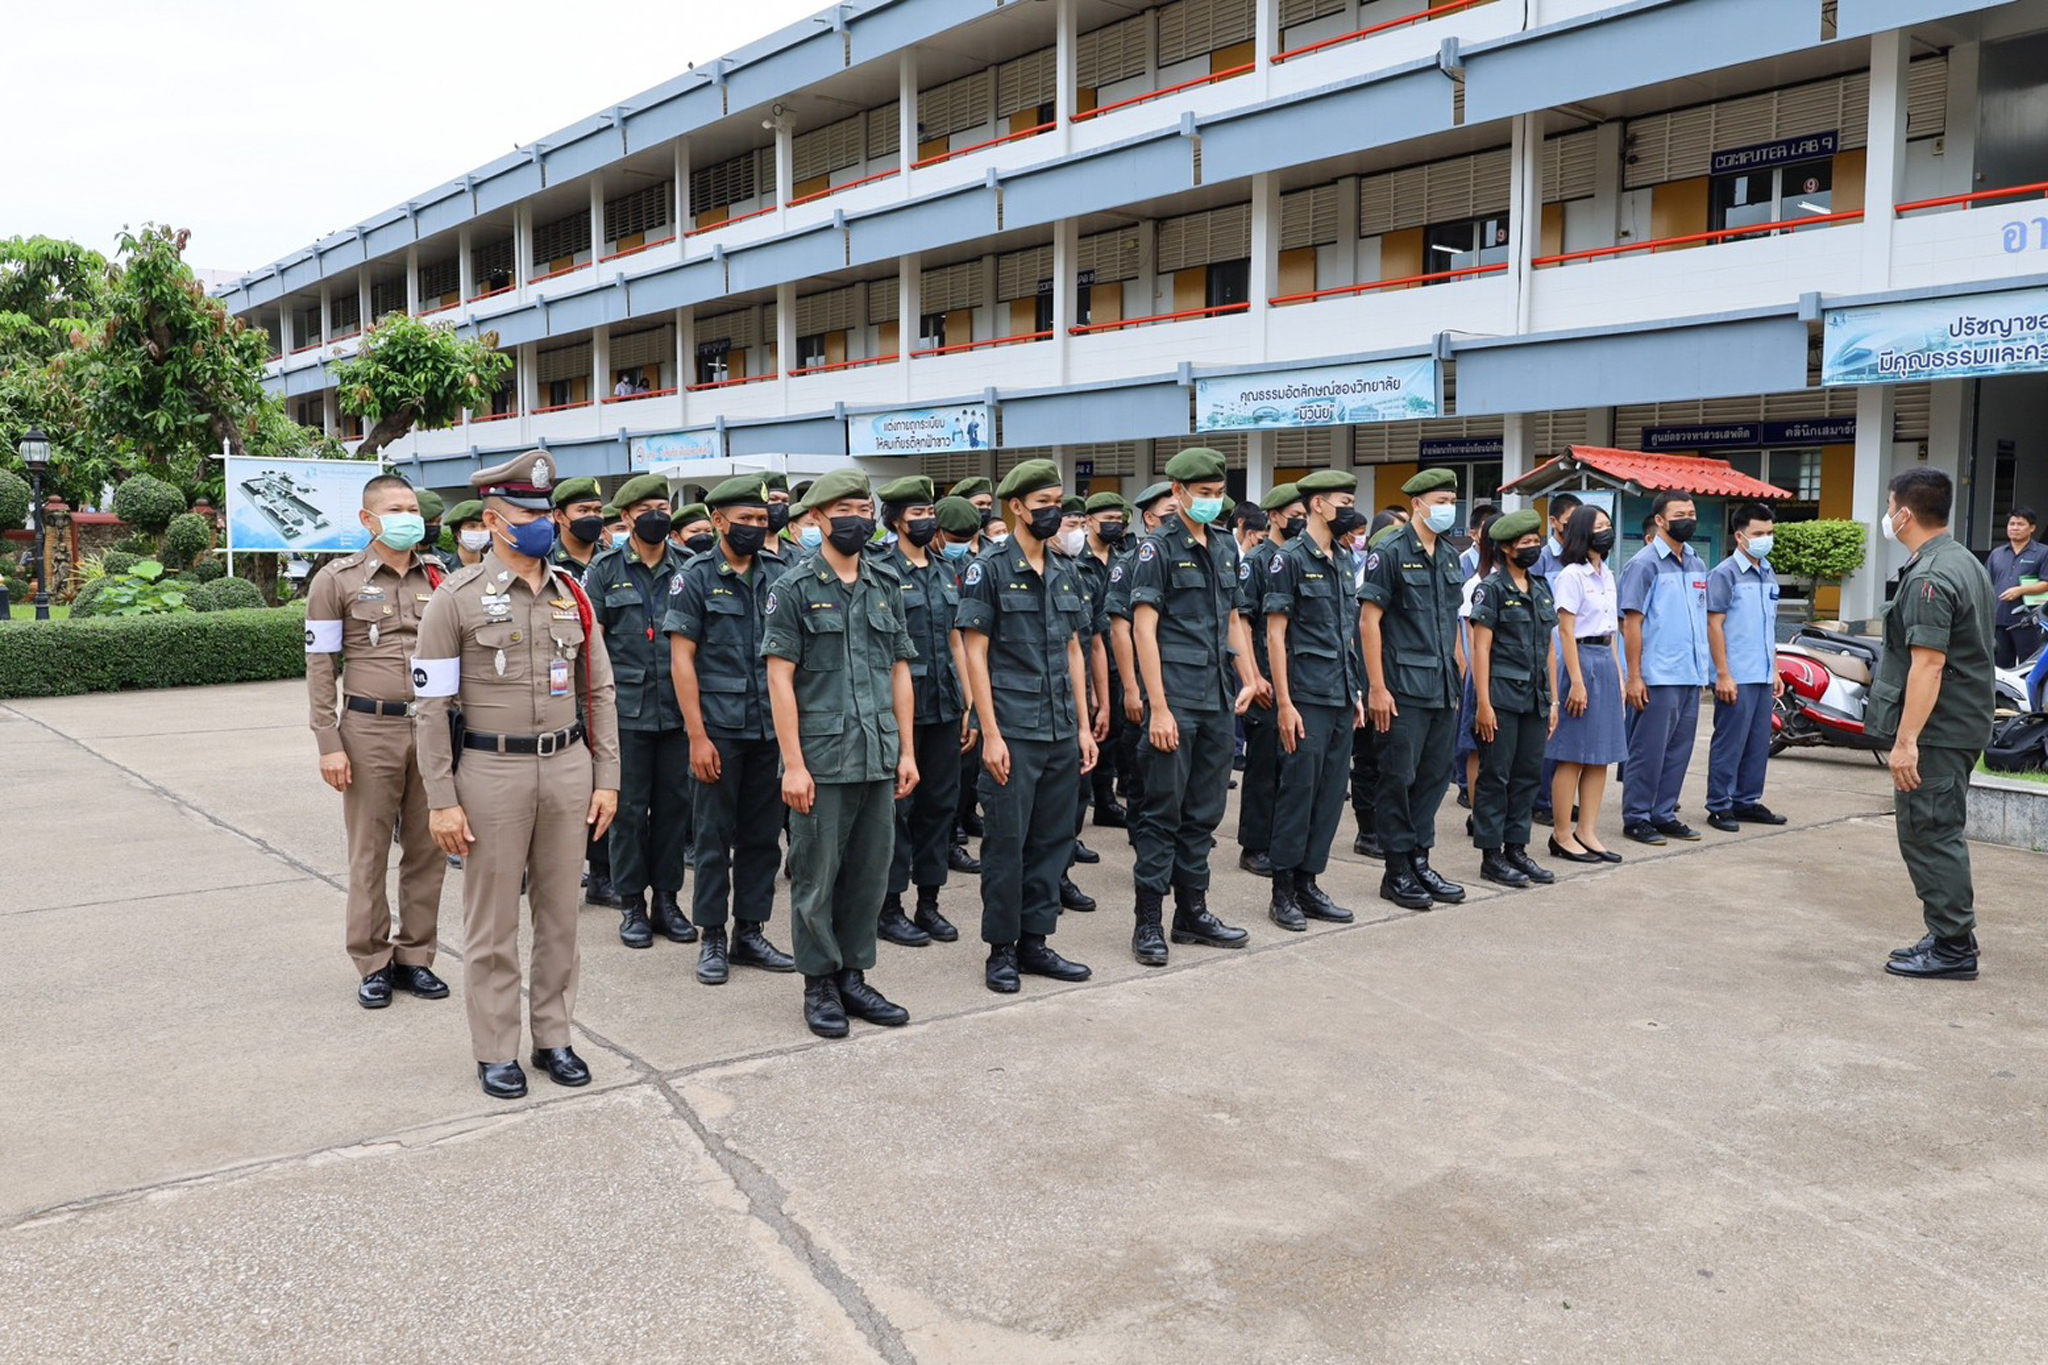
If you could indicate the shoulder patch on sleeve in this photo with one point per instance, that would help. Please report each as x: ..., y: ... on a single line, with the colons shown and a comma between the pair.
x: 973, y: 573
x: 1116, y: 573
x: 1372, y: 561
x: 1479, y: 595
x: 1148, y: 551
x: 768, y: 607
x: 675, y: 586
x: 1244, y: 570
x: 1274, y: 565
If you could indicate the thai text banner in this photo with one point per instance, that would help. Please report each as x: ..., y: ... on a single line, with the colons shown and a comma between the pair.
x: 1957, y: 338
x: 1333, y: 395
x: 922, y: 431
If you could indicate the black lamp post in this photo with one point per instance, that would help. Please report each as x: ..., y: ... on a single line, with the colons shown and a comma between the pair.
x: 35, y: 454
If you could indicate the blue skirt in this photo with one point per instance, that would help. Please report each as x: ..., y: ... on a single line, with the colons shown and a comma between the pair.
x: 1599, y: 737
x: 1468, y: 741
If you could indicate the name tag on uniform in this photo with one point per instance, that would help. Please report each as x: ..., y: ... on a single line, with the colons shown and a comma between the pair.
x: 422, y: 597
x: 558, y: 677
x: 565, y: 616
x: 370, y: 595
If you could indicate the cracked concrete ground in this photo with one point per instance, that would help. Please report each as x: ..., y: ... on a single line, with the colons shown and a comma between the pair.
x: 1670, y: 1111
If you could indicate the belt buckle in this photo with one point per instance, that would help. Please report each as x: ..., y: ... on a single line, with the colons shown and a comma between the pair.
x: 412, y: 710
x: 545, y: 745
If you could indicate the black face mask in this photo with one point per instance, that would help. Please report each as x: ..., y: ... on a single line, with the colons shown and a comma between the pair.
x: 1526, y: 556
x: 778, y: 515
x: 700, y: 542
x: 1290, y: 528
x: 848, y: 534
x: 746, y: 541
x: 1346, y: 520
x: 1603, y: 542
x: 589, y: 530
x: 920, y: 530
x: 1045, y: 522
x: 652, y: 527
x: 1112, y: 533
x: 1681, y: 531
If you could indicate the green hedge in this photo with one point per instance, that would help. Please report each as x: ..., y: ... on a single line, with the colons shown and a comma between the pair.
x: 225, y: 594
x: 176, y: 649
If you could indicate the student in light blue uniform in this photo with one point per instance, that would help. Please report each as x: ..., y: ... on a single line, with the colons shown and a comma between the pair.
x: 1742, y: 633
x: 1664, y: 619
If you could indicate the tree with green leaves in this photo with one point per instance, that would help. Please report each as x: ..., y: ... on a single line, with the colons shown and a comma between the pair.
x: 411, y: 375
x: 50, y: 292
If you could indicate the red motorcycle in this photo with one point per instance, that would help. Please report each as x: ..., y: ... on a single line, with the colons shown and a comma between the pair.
x: 1827, y: 686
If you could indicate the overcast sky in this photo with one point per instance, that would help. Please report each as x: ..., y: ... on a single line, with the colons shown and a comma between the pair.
x: 263, y: 126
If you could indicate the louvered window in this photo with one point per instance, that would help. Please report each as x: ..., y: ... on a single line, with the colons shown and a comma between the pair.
x: 835, y: 310
x: 1193, y: 239
x: 1026, y: 83
x: 306, y: 325
x: 642, y: 211
x: 1228, y: 444
x: 1570, y: 165
x: 883, y: 300
x: 652, y: 346
x: 1308, y: 217
x: 1115, y: 53
x: 1294, y: 12
x: 885, y: 130
x: 1439, y: 192
x: 563, y: 363
x: 345, y: 313
x: 740, y: 328
x: 1109, y: 255
x: 439, y: 279
x: 491, y: 264
x: 562, y: 238
x: 1303, y: 448
x: 954, y: 107
x: 387, y: 296
x: 951, y: 287
x: 831, y: 148
x: 732, y: 181
x: 1018, y: 272
x: 1195, y: 28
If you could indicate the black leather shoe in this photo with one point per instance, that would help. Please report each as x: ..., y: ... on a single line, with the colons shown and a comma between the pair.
x: 634, y: 930
x: 598, y: 890
x: 971, y: 822
x: 1316, y: 903
x: 711, y: 958
x: 1192, y: 922
x: 419, y: 981
x: 896, y: 928
x: 1148, y: 944
x: 1450, y: 893
x: 1035, y: 957
x: 929, y: 919
x: 1759, y: 814
x: 824, y: 1013
x: 1585, y: 855
x: 1518, y: 856
x: 375, y: 992
x: 960, y: 860
x: 1110, y: 815
x: 1464, y: 798
x: 1368, y: 846
x: 563, y: 1066
x: 751, y: 948
x: 1926, y: 941
x: 1085, y: 854
x: 1400, y: 886
x: 1285, y: 908
x: 1495, y: 867
x: 1678, y: 829
x: 863, y: 1001
x: 1643, y: 834
x: 668, y: 919
x: 1723, y: 821
x: 1073, y: 897
x: 1945, y: 959
x: 1542, y: 816
x: 1000, y: 972
x: 1258, y: 864
x: 502, y: 1080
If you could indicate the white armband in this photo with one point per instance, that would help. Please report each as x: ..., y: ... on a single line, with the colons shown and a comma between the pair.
x: 323, y: 637
x: 436, y: 677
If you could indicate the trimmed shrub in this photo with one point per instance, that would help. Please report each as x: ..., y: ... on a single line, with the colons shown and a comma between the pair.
x: 148, y: 502
x: 225, y: 594
x: 88, y: 593
x: 178, y: 649
x: 187, y: 537
x: 142, y: 547
x: 15, y: 496
x: 118, y: 561
x: 208, y: 568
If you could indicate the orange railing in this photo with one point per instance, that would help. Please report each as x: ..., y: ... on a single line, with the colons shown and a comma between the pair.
x: 1399, y: 282
x: 1700, y: 238
x: 1975, y: 197
x: 816, y: 195
x: 959, y: 347
x: 1405, y: 22
x: 726, y: 223
x: 561, y: 407
x: 565, y: 270
x: 492, y: 293
x: 983, y: 146
x: 838, y: 365
x: 498, y: 416
x: 1210, y: 79
x: 1088, y: 328
x: 438, y: 308
x: 636, y: 250
x: 733, y: 383
x: 630, y: 397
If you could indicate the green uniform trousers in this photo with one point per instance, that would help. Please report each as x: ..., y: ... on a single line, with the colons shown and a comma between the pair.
x: 653, y: 823
x: 924, y: 819
x: 1930, y: 827
x: 739, y: 834
x: 1415, y: 768
x: 1029, y: 838
x: 1260, y: 786
x: 1510, y: 777
x: 1310, y: 802
x: 838, y: 873
x: 1186, y: 792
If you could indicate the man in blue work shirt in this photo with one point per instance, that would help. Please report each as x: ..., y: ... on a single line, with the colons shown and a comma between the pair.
x: 1742, y: 633
x: 1664, y: 620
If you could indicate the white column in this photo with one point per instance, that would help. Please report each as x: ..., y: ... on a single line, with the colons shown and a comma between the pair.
x: 522, y: 244
x: 906, y: 114
x: 364, y: 317
x: 1525, y: 211
x: 1066, y: 243
x: 1063, y: 456
x: 412, y: 280
x: 686, y: 357
x: 1518, y: 455
x: 785, y: 337
x: 1608, y: 164
x: 785, y: 163
x: 909, y: 307
x: 596, y: 218
x: 287, y: 341
x: 1259, y: 448
x: 1863, y: 593
x: 600, y: 366
x: 681, y: 197
x: 1265, y: 37
x: 1885, y: 161
x: 326, y: 310
x: 465, y: 266
x: 1066, y: 69
x: 1265, y: 269
x: 528, y: 376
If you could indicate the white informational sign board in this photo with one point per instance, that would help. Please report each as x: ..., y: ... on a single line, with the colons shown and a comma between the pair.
x: 1330, y: 395
x: 304, y: 507
x: 922, y: 431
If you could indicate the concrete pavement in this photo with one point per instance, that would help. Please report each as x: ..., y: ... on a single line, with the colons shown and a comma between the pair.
x: 1670, y: 1111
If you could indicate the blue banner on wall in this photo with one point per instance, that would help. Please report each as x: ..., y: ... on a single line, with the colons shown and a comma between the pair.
x: 1973, y: 336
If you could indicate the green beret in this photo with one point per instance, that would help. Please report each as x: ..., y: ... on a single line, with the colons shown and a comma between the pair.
x: 827, y: 489
x: 431, y: 505
x: 913, y: 490
x: 461, y: 512
x: 1429, y: 480
x: 1513, y: 526
x: 576, y: 490
x: 1327, y: 481
x: 609, y: 512
x: 1027, y: 478
x: 1196, y: 464
x: 970, y: 487
x: 1387, y: 533
x: 1286, y: 495
x: 741, y: 490
x: 776, y: 483
x: 640, y: 488
x: 958, y: 517
x: 1229, y: 504
x: 1144, y: 500
x: 695, y: 511
x: 1105, y: 502
x: 1073, y: 505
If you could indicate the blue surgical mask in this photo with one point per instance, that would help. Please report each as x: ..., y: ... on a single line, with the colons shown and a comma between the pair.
x: 534, y: 539
x: 810, y: 537
x: 1760, y: 546
x: 1443, y: 516
x: 619, y: 537
x: 957, y: 549
x: 402, y: 530
x: 1202, y: 511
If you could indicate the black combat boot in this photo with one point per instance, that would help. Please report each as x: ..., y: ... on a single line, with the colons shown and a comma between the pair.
x: 1073, y: 897
x: 1450, y: 893
x: 1401, y: 886
x: 669, y: 920
x: 1000, y: 972
x: 598, y: 890
x: 1035, y: 957
x: 929, y: 919
x: 863, y: 1001
x: 1316, y: 903
x: 1495, y: 867
x: 1192, y: 922
x: 1285, y: 910
x: 634, y: 930
x: 896, y: 927
x: 1945, y: 959
x: 751, y: 948
x: 711, y: 958
x: 1518, y: 856
x: 823, y: 1012
x: 1148, y: 945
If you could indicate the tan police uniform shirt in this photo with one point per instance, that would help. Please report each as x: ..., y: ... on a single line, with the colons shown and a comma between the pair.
x: 362, y: 618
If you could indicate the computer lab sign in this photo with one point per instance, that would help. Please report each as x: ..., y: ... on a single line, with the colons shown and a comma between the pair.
x: 1764, y: 156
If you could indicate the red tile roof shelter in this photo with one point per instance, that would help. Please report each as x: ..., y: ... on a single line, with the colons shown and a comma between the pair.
x: 1635, y: 471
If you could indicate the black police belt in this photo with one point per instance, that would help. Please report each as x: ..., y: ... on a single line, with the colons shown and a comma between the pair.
x: 370, y: 706
x: 544, y: 745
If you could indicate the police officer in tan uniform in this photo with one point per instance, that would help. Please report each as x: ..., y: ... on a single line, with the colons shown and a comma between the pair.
x: 362, y: 615
x: 510, y: 643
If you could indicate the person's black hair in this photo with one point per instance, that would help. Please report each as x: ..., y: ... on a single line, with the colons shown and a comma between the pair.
x: 1927, y: 493
x: 1382, y: 522
x: 1649, y: 527
x: 892, y: 512
x: 1490, y: 557
x: 1251, y: 518
x: 2026, y: 512
x: 1665, y: 497
x: 1749, y: 512
x: 1561, y: 504
x: 1482, y: 512
x: 1577, y: 540
x: 380, y: 483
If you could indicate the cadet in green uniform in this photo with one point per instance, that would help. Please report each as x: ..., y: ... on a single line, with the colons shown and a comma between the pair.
x: 1933, y: 698
x: 979, y: 494
x: 1311, y: 626
x: 924, y: 818
x: 1284, y: 511
x: 691, y: 532
x: 1072, y: 543
x: 1154, y: 508
x: 432, y: 512
x: 579, y: 532
x: 1189, y: 640
x: 1512, y: 623
x: 714, y: 629
x: 1409, y: 628
x: 1021, y: 614
x: 839, y: 681
x: 958, y: 543
x: 628, y: 589
x: 1108, y: 522
x: 466, y: 520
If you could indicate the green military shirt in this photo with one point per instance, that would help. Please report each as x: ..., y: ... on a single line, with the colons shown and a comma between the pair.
x: 720, y: 611
x: 1194, y: 589
x: 1518, y: 671
x: 1944, y: 602
x: 1419, y: 595
x: 1312, y: 588
x: 931, y: 599
x: 1251, y: 597
x: 1116, y: 596
x: 568, y: 563
x: 629, y: 600
x: 1094, y: 576
x: 1028, y: 620
x: 844, y: 639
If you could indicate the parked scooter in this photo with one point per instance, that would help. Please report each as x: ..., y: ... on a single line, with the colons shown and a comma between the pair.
x: 1827, y: 677
x: 2020, y: 687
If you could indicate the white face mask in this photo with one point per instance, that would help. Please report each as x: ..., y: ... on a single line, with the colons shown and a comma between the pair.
x: 1890, y: 526
x: 476, y: 542
x: 1071, y: 543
